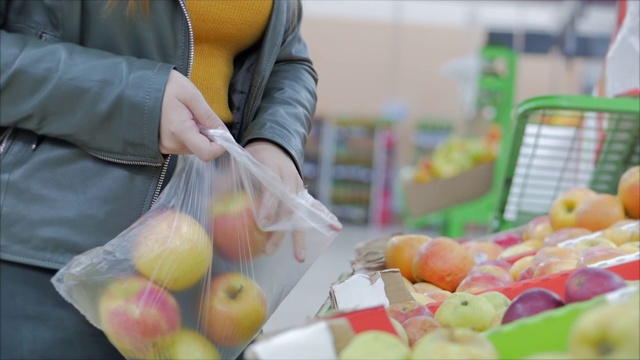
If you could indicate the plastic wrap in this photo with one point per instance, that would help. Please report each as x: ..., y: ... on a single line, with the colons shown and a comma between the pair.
x: 199, y: 274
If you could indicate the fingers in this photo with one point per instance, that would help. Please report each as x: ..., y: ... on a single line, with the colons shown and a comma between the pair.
x: 299, y: 246
x: 202, y: 112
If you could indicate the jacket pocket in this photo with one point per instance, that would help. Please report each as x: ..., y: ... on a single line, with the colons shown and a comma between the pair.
x: 58, y: 201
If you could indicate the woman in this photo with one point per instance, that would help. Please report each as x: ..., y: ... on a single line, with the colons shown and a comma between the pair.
x: 96, y: 100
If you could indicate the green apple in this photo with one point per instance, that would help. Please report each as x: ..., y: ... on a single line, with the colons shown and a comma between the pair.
x: 375, y: 344
x: 464, y: 310
x: 497, y: 299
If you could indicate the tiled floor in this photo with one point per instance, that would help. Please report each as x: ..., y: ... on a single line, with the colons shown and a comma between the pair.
x: 313, y: 289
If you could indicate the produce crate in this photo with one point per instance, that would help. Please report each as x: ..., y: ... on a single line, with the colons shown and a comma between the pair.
x: 561, y: 142
x: 547, y: 331
x: 628, y: 267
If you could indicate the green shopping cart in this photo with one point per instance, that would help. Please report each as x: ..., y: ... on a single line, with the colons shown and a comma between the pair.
x: 560, y: 142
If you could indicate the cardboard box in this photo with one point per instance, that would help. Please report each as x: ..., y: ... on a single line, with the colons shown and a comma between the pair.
x: 425, y: 198
x: 362, y: 291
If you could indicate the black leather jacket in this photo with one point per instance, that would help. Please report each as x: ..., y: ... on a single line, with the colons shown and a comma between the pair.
x: 80, y: 98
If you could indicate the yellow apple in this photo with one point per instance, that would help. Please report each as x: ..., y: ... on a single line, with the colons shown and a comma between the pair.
x: 457, y: 343
x: 235, y: 309
x: 609, y: 331
x: 374, y: 344
x: 630, y: 247
x: 172, y: 249
x: 562, y: 212
x: 422, y: 298
x: 191, y: 345
x: 465, y: 310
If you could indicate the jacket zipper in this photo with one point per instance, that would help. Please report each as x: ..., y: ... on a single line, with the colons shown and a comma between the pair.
x: 4, y: 139
x: 165, y: 166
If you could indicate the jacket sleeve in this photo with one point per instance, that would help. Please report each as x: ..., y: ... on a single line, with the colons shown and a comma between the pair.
x: 107, y: 104
x: 289, y: 101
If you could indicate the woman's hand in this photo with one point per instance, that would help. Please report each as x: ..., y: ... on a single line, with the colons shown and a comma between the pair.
x: 278, y: 161
x: 183, y: 110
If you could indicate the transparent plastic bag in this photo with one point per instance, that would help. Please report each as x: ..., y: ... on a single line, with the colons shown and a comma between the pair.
x: 200, y: 273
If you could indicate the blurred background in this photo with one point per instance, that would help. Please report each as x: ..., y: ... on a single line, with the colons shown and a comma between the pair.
x: 398, y: 77
x: 415, y: 111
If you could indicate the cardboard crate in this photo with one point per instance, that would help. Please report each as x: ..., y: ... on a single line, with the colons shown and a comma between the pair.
x: 425, y: 198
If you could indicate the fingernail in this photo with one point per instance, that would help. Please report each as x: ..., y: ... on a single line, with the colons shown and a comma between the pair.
x: 300, y: 254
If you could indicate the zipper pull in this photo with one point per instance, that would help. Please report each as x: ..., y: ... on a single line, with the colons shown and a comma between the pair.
x: 36, y: 143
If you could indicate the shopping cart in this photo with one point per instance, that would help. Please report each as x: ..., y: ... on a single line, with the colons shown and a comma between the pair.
x: 560, y: 142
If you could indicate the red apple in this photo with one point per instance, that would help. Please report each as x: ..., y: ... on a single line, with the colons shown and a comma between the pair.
x: 589, y: 282
x: 234, y: 230
x: 234, y: 310
x: 531, y: 302
x: 438, y: 295
x: 423, y: 287
x: 563, y: 210
x: 442, y: 262
x: 599, y: 212
x: 478, y: 282
x: 519, y: 266
x: 500, y: 263
x: 554, y: 266
x: 138, y: 317
x: 484, y: 250
x: 405, y: 310
x: 597, y: 254
x: 508, y: 239
x: 629, y: 191
x: 400, y: 251
x: 565, y: 234
x: 530, y: 227
x: 494, y: 270
x: 418, y: 326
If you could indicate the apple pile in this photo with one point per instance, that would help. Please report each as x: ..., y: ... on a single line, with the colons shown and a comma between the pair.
x: 172, y: 252
x: 456, y: 155
x: 441, y: 343
x: 456, y: 325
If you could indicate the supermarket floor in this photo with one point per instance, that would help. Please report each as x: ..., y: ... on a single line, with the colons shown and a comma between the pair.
x: 313, y: 289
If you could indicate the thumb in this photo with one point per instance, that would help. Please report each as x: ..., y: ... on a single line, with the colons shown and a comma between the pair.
x: 202, y: 112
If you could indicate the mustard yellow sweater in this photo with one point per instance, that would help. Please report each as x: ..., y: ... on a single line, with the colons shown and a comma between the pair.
x: 221, y: 30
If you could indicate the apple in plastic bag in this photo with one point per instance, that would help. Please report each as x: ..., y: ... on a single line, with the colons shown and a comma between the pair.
x: 191, y: 345
x: 589, y: 282
x: 531, y: 302
x: 235, y: 309
x: 172, y: 249
x: 235, y: 233
x: 138, y: 317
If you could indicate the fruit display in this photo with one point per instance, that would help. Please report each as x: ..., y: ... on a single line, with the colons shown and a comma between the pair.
x: 456, y: 155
